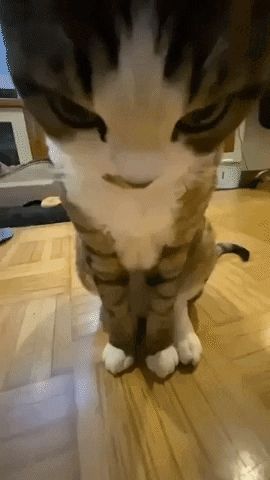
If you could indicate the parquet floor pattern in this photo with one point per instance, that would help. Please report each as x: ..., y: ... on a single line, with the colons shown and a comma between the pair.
x: 62, y: 416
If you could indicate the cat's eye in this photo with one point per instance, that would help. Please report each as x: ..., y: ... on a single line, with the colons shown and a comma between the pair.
x: 75, y: 115
x: 202, y: 119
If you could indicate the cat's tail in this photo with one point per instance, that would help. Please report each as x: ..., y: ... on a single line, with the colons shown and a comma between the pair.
x: 223, y: 248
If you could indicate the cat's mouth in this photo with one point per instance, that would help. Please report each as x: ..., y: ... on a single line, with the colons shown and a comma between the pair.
x: 123, y: 183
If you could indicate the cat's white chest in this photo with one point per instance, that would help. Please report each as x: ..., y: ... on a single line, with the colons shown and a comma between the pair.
x: 139, y: 220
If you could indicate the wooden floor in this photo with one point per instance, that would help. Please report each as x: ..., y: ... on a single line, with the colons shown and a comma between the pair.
x: 63, y: 417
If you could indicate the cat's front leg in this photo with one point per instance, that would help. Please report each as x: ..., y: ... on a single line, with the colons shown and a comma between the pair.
x: 187, y: 342
x: 112, y: 283
x: 162, y: 357
x: 163, y: 282
x: 118, y: 354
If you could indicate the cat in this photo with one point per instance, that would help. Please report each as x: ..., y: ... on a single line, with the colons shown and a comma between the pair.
x: 136, y: 98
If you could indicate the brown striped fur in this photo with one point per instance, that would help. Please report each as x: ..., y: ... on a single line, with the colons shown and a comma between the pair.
x: 182, y: 266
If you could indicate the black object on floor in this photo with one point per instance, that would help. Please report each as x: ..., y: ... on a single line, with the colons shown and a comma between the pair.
x: 32, y: 203
x: 32, y: 215
x: 261, y: 177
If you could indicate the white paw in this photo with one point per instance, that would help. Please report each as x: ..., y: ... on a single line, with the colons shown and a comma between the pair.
x: 190, y: 349
x: 115, y: 359
x: 164, y: 362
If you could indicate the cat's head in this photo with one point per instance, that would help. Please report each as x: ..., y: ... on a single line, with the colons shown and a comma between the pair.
x: 139, y: 73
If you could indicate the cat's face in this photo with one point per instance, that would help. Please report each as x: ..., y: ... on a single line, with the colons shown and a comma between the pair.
x: 139, y: 78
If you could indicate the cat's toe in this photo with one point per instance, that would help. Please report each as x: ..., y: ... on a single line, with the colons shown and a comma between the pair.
x: 163, y: 363
x: 189, y: 349
x: 115, y: 359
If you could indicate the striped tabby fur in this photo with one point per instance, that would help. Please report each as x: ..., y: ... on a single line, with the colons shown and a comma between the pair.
x: 136, y: 98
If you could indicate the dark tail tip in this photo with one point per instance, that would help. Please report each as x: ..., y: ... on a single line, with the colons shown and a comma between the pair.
x: 242, y: 252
